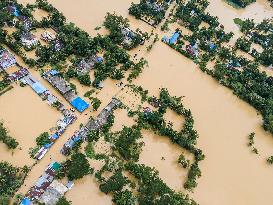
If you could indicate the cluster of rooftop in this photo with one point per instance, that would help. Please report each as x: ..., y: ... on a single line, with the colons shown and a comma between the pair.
x: 46, y: 190
x: 93, y: 124
x: 23, y: 74
x: 12, y: 9
x: 55, y: 79
x: 86, y: 65
x: 7, y: 59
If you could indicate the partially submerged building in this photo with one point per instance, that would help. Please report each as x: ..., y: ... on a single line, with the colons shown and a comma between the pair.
x: 46, y: 190
x: 92, y: 125
x: 48, y: 36
x: 53, y: 193
x: 29, y: 40
x: 17, y: 75
x: 130, y: 37
x: 86, y: 65
x: 173, y: 39
x: 43, y: 182
x: 60, y: 84
x: 13, y: 10
x: 7, y: 59
x: 57, y: 45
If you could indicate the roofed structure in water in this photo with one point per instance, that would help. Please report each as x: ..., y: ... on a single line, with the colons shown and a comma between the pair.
x: 54, y: 78
x: 13, y: 10
x: 173, y: 39
x: 43, y: 182
x: 57, y: 81
x: 7, y: 59
x: 91, y: 125
x: 53, y: 193
x: 87, y: 64
x: 48, y: 36
x: 26, y: 201
x: 29, y: 40
x: 79, y: 104
x: 17, y: 75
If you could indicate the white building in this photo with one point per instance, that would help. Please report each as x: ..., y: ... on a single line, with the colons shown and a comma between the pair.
x: 29, y: 40
x: 48, y: 36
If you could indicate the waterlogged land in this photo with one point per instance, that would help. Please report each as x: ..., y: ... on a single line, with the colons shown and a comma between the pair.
x: 231, y: 174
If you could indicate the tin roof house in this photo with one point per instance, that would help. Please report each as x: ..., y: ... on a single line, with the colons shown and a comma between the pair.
x: 43, y: 182
x: 48, y: 36
x: 53, y: 193
x: 86, y: 65
x: 7, y: 59
x: 13, y: 10
x: 96, y: 124
x: 54, y: 78
x: 17, y: 75
x: 29, y: 40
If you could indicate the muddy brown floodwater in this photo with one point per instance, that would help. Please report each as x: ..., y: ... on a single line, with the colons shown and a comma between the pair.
x: 231, y: 173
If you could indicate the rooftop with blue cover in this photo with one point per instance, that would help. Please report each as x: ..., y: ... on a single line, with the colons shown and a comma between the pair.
x: 79, y: 104
x: 26, y: 201
x: 174, y: 37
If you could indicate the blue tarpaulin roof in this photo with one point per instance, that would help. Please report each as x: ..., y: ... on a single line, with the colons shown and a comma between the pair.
x: 54, y: 72
x: 48, y: 145
x: 26, y: 201
x: 165, y: 39
x: 79, y: 104
x: 16, y: 12
x: 38, y: 88
x: 174, y: 38
x: 100, y: 59
x: 77, y: 138
x: 54, y: 136
x: 212, y: 46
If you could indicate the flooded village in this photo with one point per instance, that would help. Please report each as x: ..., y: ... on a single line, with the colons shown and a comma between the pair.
x: 136, y: 102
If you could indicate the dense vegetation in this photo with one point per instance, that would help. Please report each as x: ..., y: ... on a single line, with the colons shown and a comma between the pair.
x: 79, y: 167
x: 150, y: 11
x: 120, y: 33
x: 11, y: 178
x: 63, y: 201
x: 241, y: 3
x: 260, y: 34
x: 6, y: 138
x: 75, y: 44
x: 231, y: 70
x: 41, y: 140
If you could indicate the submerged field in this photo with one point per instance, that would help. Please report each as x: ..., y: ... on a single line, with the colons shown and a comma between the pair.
x: 231, y: 173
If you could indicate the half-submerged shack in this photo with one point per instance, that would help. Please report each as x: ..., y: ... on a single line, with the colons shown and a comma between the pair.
x: 86, y: 65
x: 53, y: 193
x: 29, y: 40
x: 7, y: 59
x: 43, y: 182
x: 46, y: 190
x: 60, y: 84
x: 94, y: 124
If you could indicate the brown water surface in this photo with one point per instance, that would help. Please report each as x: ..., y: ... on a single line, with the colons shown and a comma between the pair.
x: 231, y: 173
